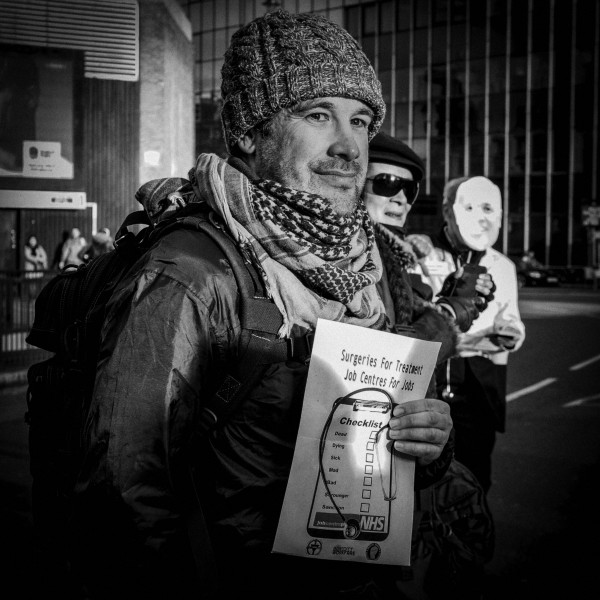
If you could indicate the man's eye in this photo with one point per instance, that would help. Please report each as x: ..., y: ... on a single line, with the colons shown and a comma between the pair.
x: 318, y: 117
x: 358, y: 122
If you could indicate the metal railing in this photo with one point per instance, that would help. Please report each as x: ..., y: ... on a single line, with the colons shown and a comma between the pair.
x: 18, y: 292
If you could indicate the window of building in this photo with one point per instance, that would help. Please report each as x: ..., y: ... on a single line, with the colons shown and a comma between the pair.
x: 458, y: 11
x: 401, y: 121
x: 368, y: 44
x: 477, y: 37
x: 541, y: 22
x: 477, y: 77
x: 438, y: 155
x: 421, y: 40
x: 518, y: 23
x: 539, y: 110
x: 385, y: 77
x: 419, y: 119
x: 403, y: 50
x: 421, y: 11
x: 498, y: 35
x: 518, y: 73
x: 476, y: 153
x: 476, y: 114
x: 387, y: 17
x: 206, y: 49
x: 208, y: 15
x: 539, y: 70
x: 439, y: 12
x: 420, y: 83
x: 403, y: 13
x: 385, y: 52
x: 353, y: 21
x: 539, y: 152
x: 517, y: 154
x: 438, y: 45
x: 497, y: 78
x: 518, y: 112
x: 457, y: 156
x: 233, y: 13
x: 496, y: 155
x: 497, y: 105
x: 369, y: 20
x: 458, y: 37
x: 402, y: 85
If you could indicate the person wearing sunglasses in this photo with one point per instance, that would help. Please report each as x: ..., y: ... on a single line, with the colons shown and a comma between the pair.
x: 394, y: 175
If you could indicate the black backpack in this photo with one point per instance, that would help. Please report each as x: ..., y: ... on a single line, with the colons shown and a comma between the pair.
x: 69, y: 313
x: 453, y: 539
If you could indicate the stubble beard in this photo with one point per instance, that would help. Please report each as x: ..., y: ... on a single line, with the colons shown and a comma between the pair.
x: 286, y: 173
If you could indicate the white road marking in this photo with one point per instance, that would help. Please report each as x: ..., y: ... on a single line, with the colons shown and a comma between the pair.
x: 585, y: 363
x: 530, y: 389
x: 581, y: 401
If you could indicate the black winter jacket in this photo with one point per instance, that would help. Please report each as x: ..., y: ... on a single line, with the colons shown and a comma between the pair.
x: 170, y: 327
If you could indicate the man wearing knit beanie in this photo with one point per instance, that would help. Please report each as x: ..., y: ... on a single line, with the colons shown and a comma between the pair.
x: 300, y: 104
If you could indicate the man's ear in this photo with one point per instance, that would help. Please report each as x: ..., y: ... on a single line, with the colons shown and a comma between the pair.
x: 247, y: 143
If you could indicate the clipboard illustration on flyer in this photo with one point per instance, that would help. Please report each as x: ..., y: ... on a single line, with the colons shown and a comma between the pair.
x: 349, y: 495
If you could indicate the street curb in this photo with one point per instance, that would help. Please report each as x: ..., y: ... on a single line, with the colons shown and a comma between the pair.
x: 13, y: 378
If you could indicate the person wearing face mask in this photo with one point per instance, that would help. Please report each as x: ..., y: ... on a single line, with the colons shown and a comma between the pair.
x: 474, y: 383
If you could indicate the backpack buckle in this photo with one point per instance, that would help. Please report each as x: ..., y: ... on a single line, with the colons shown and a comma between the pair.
x: 300, y: 347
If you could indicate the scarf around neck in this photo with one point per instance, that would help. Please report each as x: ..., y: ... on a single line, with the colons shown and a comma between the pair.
x: 316, y: 264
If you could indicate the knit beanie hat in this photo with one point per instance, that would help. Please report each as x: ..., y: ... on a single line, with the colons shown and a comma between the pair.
x: 390, y: 150
x: 281, y: 59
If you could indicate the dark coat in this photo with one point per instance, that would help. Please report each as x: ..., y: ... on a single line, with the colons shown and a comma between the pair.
x: 170, y: 327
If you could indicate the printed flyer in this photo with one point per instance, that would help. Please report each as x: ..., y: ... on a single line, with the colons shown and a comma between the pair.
x: 349, y: 497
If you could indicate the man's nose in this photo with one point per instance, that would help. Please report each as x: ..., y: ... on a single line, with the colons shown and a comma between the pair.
x: 400, y: 198
x: 344, y: 145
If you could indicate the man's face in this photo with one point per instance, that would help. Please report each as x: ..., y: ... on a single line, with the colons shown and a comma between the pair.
x: 382, y: 209
x: 476, y: 215
x: 321, y: 147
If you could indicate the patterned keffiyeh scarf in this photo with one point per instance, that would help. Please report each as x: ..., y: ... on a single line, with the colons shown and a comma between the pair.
x: 316, y: 263
x: 398, y: 257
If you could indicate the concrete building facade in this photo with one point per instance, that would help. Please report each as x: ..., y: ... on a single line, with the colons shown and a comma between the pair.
x: 109, y: 105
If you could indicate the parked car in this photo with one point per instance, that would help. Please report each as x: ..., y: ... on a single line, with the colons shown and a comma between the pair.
x: 534, y: 274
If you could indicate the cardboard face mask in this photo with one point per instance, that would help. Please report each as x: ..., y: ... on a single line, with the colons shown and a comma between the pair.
x: 477, y: 212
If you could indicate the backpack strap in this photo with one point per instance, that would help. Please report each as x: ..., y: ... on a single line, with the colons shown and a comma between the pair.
x: 260, y: 320
x: 259, y: 346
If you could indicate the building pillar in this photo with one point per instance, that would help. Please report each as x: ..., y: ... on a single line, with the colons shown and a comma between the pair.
x: 167, y: 116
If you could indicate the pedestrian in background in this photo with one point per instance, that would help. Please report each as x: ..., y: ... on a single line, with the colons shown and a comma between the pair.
x: 71, y: 248
x: 35, y: 257
x: 102, y: 243
x: 474, y: 383
x: 35, y: 263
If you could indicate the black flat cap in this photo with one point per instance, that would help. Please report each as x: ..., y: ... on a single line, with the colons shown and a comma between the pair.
x: 387, y: 149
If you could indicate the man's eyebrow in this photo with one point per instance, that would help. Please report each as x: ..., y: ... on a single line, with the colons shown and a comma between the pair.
x: 314, y: 103
x: 327, y: 105
x: 365, y: 110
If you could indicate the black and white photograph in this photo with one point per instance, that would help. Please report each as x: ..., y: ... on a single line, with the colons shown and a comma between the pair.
x: 299, y: 299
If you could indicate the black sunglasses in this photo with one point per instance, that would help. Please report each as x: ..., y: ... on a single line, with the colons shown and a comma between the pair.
x: 388, y: 185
